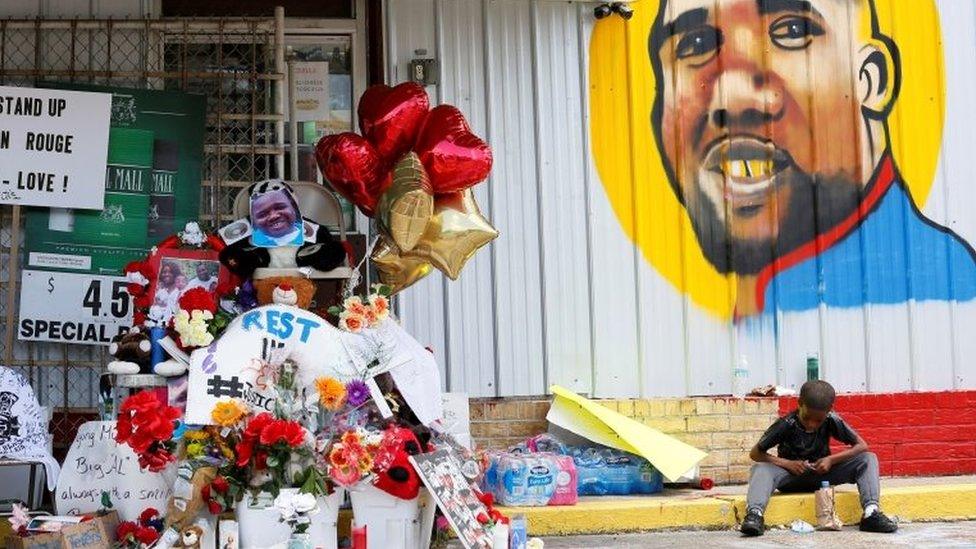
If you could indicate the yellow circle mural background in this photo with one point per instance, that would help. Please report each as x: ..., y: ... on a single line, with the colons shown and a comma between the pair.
x: 622, y: 91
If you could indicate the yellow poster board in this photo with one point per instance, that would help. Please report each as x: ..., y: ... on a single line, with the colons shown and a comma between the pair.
x: 602, y: 425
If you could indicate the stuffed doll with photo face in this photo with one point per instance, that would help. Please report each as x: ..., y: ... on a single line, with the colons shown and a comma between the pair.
x: 278, y: 237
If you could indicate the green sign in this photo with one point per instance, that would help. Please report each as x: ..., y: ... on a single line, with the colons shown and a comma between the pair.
x: 152, y: 185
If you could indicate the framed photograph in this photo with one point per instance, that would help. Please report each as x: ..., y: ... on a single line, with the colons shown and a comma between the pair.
x: 179, y: 271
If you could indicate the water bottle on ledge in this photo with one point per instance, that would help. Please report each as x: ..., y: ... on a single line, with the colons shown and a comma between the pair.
x: 741, y: 384
x: 813, y: 366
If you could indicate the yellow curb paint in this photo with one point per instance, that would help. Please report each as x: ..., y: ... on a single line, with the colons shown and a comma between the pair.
x: 637, y: 514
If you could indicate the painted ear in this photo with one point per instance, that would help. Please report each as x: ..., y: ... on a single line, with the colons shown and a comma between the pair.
x: 877, y: 79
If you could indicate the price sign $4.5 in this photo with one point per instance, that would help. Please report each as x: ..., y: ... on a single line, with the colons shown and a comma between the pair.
x: 117, y: 296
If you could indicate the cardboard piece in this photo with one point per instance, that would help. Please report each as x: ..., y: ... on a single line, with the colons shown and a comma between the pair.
x: 97, y: 533
x: 602, y: 425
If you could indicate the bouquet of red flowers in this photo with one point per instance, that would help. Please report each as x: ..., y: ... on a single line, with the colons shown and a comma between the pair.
x: 141, y: 533
x: 147, y: 425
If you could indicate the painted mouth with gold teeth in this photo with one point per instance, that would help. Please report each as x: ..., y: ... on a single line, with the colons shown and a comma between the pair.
x: 747, y: 165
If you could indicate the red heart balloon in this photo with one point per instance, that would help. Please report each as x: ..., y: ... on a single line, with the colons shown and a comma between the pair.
x: 390, y: 117
x: 354, y: 169
x: 454, y: 157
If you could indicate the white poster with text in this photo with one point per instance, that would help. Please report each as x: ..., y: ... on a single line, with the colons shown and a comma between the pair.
x: 53, y: 147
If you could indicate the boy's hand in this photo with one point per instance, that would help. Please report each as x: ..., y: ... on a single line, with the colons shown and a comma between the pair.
x: 795, y: 467
x: 823, y: 465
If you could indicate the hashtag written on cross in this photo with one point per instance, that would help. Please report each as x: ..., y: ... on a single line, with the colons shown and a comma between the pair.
x: 219, y: 387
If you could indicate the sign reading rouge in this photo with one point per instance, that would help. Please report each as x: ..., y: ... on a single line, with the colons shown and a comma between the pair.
x: 53, y: 147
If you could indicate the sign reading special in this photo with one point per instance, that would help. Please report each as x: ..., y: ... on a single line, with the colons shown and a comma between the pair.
x: 73, y: 308
x: 53, y: 147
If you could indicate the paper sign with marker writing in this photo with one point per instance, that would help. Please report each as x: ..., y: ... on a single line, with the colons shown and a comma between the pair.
x: 96, y: 464
x: 53, y: 147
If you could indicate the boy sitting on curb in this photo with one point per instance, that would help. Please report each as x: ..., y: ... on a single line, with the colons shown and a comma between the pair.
x: 804, y: 460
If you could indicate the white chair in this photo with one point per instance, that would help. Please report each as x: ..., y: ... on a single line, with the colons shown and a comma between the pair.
x: 317, y: 204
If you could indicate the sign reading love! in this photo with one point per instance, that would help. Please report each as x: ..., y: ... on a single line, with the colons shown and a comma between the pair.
x: 412, y: 168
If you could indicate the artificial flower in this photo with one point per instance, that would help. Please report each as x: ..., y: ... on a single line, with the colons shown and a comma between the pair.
x: 228, y: 412
x: 351, y: 438
x: 357, y: 392
x: 482, y: 518
x: 282, y: 430
x: 220, y: 485
x: 339, y: 457
x: 125, y: 529
x: 380, y: 306
x: 192, y: 327
x: 194, y: 450
x: 146, y: 535
x: 354, y: 305
x: 198, y: 299
x: 245, y: 449
x: 351, y: 322
x: 192, y: 235
x: 332, y: 393
x: 345, y: 476
x: 257, y: 424
x: 19, y: 517
x: 442, y: 522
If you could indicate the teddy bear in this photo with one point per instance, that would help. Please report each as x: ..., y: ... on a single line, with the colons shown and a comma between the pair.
x: 132, y: 352
x: 400, y: 479
x: 277, y: 236
x: 285, y: 290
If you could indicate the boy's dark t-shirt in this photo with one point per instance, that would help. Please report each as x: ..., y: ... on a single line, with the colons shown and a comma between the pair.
x: 796, y: 443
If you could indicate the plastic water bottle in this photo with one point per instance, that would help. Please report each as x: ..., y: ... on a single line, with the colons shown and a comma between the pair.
x: 740, y: 374
x: 813, y: 366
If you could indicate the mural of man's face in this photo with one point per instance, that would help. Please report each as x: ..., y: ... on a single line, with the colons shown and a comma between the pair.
x: 762, y: 121
x: 273, y: 213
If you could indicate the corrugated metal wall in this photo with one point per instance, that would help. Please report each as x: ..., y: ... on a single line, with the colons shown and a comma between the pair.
x: 576, y: 291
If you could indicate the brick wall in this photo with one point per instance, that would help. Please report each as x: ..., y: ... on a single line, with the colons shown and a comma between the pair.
x: 726, y: 428
x: 913, y: 434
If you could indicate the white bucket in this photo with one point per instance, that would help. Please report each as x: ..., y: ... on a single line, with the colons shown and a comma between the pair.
x: 259, y: 526
x: 391, y: 522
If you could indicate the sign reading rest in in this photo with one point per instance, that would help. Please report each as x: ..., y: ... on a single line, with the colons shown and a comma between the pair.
x: 53, y: 147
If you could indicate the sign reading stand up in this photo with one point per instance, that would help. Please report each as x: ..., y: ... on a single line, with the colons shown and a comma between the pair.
x: 53, y: 147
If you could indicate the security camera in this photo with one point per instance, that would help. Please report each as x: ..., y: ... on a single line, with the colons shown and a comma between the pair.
x: 623, y: 10
x: 602, y: 11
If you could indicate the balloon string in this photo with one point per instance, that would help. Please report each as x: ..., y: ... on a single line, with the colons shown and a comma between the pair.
x: 353, y: 282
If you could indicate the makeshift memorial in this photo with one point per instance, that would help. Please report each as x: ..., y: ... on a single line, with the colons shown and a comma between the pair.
x: 426, y: 213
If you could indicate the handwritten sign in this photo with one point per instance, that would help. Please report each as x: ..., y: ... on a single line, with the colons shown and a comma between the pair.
x: 242, y: 362
x: 96, y: 464
x: 53, y: 147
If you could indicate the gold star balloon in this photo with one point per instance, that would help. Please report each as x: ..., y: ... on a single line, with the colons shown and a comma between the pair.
x: 394, y: 269
x: 454, y: 233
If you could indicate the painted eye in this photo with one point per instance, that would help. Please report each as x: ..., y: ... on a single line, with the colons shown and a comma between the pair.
x: 794, y: 33
x: 699, y: 43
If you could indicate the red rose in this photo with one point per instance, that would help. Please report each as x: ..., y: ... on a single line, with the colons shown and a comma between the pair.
x: 257, y: 424
x: 156, y: 461
x: 220, y: 485
x: 482, y: 518
x: 198, y: 299
x: 487, y: 499
x: 244, y: 450
x: 214, y: 507
x: 147, y: 535
x: 125, y: 529
x: 143, y: 401
x: 135, y: 290
x: 123, y: 429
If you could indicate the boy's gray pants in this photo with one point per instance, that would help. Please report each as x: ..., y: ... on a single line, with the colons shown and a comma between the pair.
x: 861, y: 469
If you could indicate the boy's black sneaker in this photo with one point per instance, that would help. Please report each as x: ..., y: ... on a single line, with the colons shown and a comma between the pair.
x: 877, y: 522
x: 753, y: 525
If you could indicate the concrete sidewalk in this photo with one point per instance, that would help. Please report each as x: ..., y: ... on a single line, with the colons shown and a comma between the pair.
x: 909, y: 499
